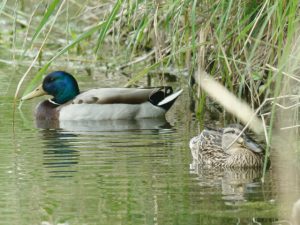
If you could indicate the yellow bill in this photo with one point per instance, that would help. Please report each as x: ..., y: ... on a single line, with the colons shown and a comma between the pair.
x: 39, y: 91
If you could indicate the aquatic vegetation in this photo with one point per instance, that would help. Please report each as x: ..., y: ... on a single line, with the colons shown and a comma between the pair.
x: 248, y: 46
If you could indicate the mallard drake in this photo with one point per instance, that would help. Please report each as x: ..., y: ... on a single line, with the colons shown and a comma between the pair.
x: 226, y: 148
x: 68, y: 103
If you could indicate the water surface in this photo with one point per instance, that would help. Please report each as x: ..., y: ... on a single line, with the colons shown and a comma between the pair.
x: 119, y: 172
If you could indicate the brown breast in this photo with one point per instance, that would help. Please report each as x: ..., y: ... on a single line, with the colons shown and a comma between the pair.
x: 46, y: 111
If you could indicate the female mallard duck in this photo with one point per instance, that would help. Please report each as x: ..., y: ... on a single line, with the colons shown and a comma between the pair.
x: 98, y: 104
x: 226, y: 148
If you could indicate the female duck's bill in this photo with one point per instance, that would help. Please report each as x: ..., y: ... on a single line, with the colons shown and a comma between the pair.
x: 234, y: 137
x: 99, y: 104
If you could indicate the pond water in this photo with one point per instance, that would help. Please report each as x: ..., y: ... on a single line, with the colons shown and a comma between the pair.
x: 118, y: 172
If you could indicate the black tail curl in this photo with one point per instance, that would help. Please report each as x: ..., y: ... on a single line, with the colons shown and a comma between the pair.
x: 159, y: 95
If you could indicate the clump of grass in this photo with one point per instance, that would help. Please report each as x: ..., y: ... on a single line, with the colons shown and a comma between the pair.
x: 243, y: 44
x: 234, y: 41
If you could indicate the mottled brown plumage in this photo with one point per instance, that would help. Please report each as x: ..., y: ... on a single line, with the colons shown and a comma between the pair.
x: 226, y: 148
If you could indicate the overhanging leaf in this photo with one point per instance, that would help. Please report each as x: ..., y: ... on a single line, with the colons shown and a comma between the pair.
x: 107, y: 24
x: 2, y: 5
x: 43, y: 22
x: 42, y: 71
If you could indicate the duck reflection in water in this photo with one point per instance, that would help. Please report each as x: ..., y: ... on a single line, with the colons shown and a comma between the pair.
x: 59, y: 155
x: 106, y: 125
x: 236, y: 184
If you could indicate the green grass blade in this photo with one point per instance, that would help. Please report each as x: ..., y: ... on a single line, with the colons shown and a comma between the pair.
x: 143, y: 73
x: 43, y: 22
x: 81, y: 37
x: 194, y: 32
x: 2, y: 5
x: 107, y: 24
x: 37, y: 78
